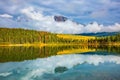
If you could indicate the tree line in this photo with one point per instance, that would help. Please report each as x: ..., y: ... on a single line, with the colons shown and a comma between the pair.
x: 106, y: 40
x: 21, y: 36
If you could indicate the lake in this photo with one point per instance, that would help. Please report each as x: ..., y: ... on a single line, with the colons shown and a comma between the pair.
x: 60, y: 63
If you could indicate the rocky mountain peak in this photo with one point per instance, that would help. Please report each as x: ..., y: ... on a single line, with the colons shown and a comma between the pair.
x: 60, y: 18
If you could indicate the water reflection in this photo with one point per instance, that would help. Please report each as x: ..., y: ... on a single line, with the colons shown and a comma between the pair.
x: 27, y: 53
x: 63, y: 67
x: 48, y: 63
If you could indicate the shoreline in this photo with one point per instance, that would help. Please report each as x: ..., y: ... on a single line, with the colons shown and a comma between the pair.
x: 56, y: 44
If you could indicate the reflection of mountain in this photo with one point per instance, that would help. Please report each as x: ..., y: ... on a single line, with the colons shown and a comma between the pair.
x: 27, y: 53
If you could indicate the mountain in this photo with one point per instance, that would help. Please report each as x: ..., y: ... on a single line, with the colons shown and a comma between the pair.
x: 63, y: 19
x: 60, y: 18
x: 100, y: 34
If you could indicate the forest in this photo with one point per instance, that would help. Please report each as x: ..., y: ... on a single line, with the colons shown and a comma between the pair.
x: 25, y: 36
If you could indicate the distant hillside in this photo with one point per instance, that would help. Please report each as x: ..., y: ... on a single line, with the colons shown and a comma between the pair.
x: 100, y: 34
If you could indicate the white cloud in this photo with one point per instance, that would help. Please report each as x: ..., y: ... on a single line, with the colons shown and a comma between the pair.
x: 94, y: 27
x: 111, y: 28
x: 46, y: 23
x: 6, y: 16
x: 88, y: 10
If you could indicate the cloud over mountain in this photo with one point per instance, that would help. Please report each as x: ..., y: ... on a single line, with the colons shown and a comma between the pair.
x: 39, y: 15
x: 33, y: 19
x: 83, y: 11
x: 48, y: 23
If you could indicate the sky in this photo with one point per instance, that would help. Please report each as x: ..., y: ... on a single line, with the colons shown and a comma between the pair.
x: 92, y: 15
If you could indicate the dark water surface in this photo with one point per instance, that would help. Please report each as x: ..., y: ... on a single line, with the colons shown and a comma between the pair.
x: 60, y: 63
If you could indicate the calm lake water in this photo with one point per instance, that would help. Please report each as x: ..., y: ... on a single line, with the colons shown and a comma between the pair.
x: 60, y: 63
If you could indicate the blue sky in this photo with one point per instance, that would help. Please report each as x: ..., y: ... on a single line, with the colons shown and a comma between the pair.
x: 20, y: 13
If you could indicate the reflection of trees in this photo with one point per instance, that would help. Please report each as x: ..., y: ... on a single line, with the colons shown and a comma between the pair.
x: 76, y: 49
x: 114, y: 49
x: 108, y: 48
x: 28, y: 53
